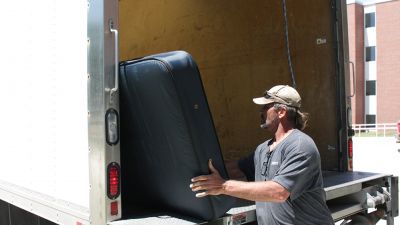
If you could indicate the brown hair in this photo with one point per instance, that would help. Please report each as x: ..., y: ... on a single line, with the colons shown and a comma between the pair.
x: 297, y: 117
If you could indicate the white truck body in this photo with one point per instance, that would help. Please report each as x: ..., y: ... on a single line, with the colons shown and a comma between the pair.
x: 45, y: 126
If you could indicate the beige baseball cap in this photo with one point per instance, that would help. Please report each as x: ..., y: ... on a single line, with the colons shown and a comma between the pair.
x: 280, y: 94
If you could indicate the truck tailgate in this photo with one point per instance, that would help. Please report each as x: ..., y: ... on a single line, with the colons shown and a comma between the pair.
x: 344, y: 195
x: 338, y: 184
x: 346, y: 192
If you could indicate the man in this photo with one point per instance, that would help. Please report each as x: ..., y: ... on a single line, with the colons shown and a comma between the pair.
x: 288, y: 185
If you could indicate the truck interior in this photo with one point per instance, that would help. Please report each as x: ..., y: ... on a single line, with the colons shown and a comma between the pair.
x: 243, y: 49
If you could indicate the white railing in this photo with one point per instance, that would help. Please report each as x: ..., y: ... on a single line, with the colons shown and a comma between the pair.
x: 378, y: 129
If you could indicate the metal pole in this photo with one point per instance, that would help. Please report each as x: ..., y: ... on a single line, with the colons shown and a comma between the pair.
x: 384, y: 130
x: 390, y: 220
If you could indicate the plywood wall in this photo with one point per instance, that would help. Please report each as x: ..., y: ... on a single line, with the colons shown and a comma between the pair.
x: 240, y: 49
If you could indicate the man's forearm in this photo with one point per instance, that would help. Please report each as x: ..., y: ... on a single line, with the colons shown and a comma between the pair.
x: 214, y: 184
x: 256, y: 191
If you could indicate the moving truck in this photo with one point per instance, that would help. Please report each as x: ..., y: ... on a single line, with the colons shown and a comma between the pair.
x: 60, y: 154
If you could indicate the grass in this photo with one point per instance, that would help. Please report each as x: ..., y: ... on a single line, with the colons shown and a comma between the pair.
x: 378, y: 133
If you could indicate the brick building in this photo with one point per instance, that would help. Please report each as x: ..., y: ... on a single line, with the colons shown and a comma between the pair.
x: 374, y: 48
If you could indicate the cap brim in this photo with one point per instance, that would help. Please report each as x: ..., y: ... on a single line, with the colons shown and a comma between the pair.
x: 262, y: 101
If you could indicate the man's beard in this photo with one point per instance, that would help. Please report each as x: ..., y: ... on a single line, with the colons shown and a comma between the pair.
x: 270, y: 125
x: 266, y: 125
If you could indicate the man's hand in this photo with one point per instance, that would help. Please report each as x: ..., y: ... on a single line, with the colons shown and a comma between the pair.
x: 212, y: 184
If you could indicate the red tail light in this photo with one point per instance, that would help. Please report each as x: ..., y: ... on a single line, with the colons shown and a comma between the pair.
x: 114, y: 187
x: 114, y: 208
x: 350, y: 148
x: 350, y: 154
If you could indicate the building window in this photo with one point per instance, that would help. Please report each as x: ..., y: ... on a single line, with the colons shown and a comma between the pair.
x: 370, y: 87
x: 370, y: 119
x: 369, y: 20
x: 370, y: 53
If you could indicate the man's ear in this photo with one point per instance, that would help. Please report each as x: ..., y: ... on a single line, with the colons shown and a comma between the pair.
x: 282, y: 112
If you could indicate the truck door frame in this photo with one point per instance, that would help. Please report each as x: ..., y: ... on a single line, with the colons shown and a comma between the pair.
x: 102, y: 78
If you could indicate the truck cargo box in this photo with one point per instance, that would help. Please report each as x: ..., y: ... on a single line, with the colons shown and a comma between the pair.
x: 60, y: 159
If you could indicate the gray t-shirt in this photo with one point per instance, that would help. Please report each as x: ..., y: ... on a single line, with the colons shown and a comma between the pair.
x: 295, y: 164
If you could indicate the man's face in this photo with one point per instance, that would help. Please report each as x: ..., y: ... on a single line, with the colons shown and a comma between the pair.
x: 269, y: 117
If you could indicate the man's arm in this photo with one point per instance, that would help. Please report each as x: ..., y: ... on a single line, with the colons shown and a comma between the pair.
x: 214, y: 184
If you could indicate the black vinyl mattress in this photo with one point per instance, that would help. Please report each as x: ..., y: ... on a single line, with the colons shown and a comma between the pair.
x: 167, y: 137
